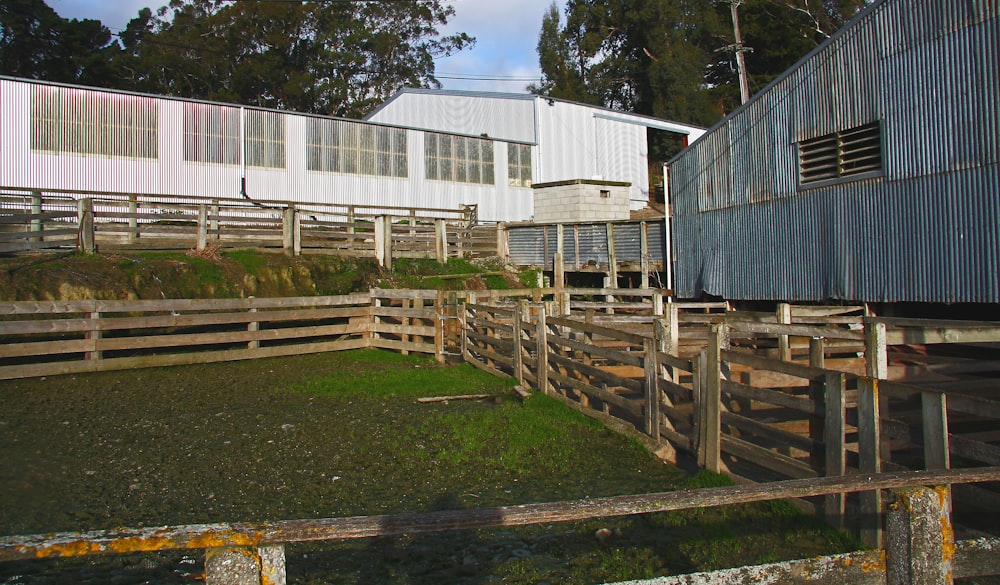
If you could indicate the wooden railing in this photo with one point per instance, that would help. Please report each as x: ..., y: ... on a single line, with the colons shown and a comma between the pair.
x: 63, y: 337
x: 759, y: 395
x: 920, y: 541
x: 33, y: 221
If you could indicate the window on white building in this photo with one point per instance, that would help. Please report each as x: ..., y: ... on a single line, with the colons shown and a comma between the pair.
x: 211, y: 134
x: 337, y: 146
x: 458, y: 158
x: 519, y: 165
x: 69, y: 120
x: 265, y: 139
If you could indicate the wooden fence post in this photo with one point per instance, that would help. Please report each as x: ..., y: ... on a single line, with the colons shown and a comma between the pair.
x: 644, y: 257
x: 699, y: 365
x: 650, y: 368
x: 784, y: 316
x: 202, y: 241
x: 835, y: 415
x: 439, y: 330
x: 710, y: 447
x: 542, y: 334
x: 253, y: 327
x: 817, y: 359
x: 287, y: 230
x: 869, y: 447
x: 935, y: 418
x: 133, y: 219
x: 85, y: 221
x: 36, y: 209
x: 93, y: 334
x: 383, y: 241
x: 440, y: 241
x: 612, y: 265
x: 877, y: 366
x: 213, y: 223
x: 657, y: 301
x: 502, y: 242
x: 518, y: 359
x: 919, y: 538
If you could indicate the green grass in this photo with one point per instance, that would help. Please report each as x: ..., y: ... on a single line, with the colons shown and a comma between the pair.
x: 521, y: 446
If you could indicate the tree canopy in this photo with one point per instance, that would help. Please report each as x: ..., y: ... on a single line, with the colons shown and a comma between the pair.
x: 676, y: 58
x: 36, y: 43
x: 337, y: 58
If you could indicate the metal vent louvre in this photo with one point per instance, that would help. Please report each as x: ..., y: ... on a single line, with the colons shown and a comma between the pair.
x: 848, y: 153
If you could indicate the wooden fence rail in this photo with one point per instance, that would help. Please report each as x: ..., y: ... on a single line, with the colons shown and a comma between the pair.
x: 110, y: 221
x: 50, y: 338
x: 921, y: 545
x: 758, y: 395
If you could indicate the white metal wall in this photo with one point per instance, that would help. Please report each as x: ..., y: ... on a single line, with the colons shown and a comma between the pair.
x: 169, y: 174
x: 576, y: 144
x: 501, y: 116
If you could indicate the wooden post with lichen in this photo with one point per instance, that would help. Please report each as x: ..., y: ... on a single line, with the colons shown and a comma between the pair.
x: 919, y: 538
x: 245, y: 566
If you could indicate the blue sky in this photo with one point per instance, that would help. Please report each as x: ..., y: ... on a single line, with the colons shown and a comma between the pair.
x: 506, y: 32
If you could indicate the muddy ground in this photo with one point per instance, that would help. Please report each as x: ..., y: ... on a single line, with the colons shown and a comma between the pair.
x: 248, y: 441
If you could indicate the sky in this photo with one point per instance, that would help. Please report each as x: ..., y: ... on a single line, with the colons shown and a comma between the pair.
x: 506, y: 33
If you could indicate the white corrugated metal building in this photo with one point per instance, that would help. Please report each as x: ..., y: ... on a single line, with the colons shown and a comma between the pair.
x: 430, y: 154
x: 571, y: 140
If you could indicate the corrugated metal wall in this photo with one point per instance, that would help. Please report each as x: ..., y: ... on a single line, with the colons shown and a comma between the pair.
x: 927, y: 230
x: 276, y: 156
x: 583, y: 244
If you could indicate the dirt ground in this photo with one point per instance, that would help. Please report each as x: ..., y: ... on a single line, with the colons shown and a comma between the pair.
x: 233, y: 442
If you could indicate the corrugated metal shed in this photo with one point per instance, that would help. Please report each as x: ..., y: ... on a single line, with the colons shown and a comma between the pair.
x: 924, y: 228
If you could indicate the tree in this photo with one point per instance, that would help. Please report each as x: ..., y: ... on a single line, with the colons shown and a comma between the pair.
x: 36, y: 43
x: 338, y: 58
x: 675, y: 58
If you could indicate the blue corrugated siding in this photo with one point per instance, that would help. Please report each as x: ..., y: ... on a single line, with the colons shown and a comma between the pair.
x: 927, y: 231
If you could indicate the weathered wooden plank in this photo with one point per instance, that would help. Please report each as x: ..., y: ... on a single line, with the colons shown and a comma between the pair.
x: 772, y: 365
x: 179, y: 320
x: 40, y: 348
x: 411, y: 313
x: 177, y: 305
x: 420, y: 330
x: 388, y: 293
x: 975, y: 450
x: 382, y: 343
x: 762, y: 429
x: 631, y: 406
x: 611, y: 354
x: 597, y: 329
x: 120, y: 540
x: 471, y: 360
x: 766, y: 458
x: 594, y: 372
x: 773, y: 397
x: 204, y: 357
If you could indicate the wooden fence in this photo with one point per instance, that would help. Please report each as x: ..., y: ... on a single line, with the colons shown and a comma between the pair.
x: 920, y: 542
x: 64, y: 337
x: 801, y: 393
x: 108, y: 221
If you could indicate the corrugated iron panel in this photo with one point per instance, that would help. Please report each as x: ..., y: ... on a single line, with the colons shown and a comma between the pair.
x: 928, y: 230
x: 472, y: 114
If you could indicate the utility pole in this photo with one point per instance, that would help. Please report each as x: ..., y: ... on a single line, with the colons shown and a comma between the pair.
x: 741, y: 63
